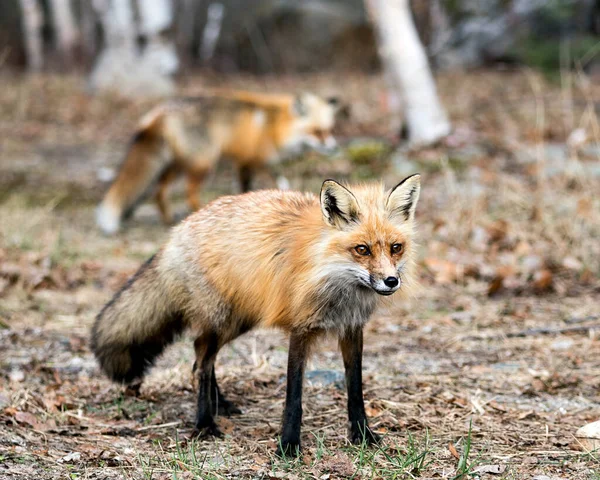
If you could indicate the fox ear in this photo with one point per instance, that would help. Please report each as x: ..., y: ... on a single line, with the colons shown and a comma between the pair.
x: 402, y: 200
x: 338, y: 205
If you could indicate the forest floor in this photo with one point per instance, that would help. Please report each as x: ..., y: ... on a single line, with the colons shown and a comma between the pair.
x: 487, y: 373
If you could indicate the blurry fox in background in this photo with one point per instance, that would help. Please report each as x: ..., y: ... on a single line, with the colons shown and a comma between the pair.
x: 189, y: 135
x: 273, y: 259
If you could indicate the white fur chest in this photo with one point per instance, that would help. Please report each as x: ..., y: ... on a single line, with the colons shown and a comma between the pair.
x: 346, y: 308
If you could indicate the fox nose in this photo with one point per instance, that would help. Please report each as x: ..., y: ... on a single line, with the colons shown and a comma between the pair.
x: 391, y: 282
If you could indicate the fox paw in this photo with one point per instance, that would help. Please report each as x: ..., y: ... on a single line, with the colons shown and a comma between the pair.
x: 288, y: 449
x: 364, y: 435
x: 207, y: 431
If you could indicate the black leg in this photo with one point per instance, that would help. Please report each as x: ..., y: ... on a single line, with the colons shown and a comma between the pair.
x: 351, y: 345
x: 220, y: 405
x: 206, y: 347
x: 245, y: 173
x: 292, y: 415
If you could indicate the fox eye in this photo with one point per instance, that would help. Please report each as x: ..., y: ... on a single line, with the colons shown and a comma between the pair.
x: 397, y: 248
x: 362, y: 250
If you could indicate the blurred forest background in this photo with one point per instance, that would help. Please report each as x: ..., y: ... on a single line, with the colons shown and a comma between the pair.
x: 489, y: 372
x: 285, y: 36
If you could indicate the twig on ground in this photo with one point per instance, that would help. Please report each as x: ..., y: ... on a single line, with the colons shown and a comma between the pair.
x: 531, y: 332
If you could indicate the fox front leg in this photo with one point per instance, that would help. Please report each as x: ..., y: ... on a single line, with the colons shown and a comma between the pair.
x: 289, y: 443
x: 351, y: 344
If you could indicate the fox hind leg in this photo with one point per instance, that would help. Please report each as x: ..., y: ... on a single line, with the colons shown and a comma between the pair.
x: 168, y: 176
x: 220, y: 406
x: 207, y: 347
x: 289, y: 444
x: 246, y: 172
x: 194, y: 180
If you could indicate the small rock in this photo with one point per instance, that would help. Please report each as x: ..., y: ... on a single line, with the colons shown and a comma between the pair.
x: 589, y: 436
x: 531, y: 263
x: 577, y: 138
x: 572, y: 263
x: 592, y: 150
x: 402, y: 165
x: 324, y: 378
x: 71, y: 458
x: 564, y: 344
x: 106, y: 174
x: 17, y: 375
x: 463, y: 318
x: 492, y: 469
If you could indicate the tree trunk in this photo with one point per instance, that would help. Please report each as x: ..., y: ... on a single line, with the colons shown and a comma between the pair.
x: 212, y: 29
x: 67, y: 34
x: 31, y: 15
x: 404, y: 58
x: 119, y: 66
x: 156, y: 18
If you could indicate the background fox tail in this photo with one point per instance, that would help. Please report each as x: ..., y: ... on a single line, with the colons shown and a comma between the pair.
x: 136, y: 325
x: 146, y: 159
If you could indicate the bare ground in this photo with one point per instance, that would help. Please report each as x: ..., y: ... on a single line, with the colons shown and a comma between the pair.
x: 487, y: 372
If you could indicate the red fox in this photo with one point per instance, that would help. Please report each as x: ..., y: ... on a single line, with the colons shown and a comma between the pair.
x: 266, y: 259
x: 189, y: 135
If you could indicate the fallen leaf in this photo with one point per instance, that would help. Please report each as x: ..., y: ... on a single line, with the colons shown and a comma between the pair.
x: 453, y: 451
x: 27, y: 418
x: 495, y: 285
x: 542, y: 280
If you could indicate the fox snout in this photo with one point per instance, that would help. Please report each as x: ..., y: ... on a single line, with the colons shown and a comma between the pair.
x: 385, y: 285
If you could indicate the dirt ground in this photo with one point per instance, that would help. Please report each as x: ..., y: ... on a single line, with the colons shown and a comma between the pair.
x: 486, y: 373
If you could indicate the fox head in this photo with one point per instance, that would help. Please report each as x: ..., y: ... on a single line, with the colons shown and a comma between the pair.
x: 371, y: 233
x: 313, y: 121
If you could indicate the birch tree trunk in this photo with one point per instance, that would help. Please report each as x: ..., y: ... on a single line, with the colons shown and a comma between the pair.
x: 406, y: 64
x: 156, y: 17
x: 120, y: 67
x: 31, y: 15
x: 65, y: 28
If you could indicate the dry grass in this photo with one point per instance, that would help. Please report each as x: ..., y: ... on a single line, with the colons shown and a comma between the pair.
x: 460, y: 381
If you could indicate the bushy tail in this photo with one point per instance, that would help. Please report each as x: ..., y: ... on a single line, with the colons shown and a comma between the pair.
x: 136, y: 325
x: 146, y: 159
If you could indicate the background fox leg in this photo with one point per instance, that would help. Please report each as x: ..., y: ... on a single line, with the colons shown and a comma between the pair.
x: 245, y: 173
x: 206, y: 347
x: 167, y: 177
x: 194, y: 180
x: 220, y: 405
x: 351, y: 345
x: 292, y: 415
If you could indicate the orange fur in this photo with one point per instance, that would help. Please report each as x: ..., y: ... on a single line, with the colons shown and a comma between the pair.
x: 272, y: 259
x: 190, y: 135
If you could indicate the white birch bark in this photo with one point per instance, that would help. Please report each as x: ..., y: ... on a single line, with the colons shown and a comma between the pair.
x: 406, y: 61
x: 212, y: 30
x: 31, y: 15
x: 156, y: 16
x: 67, y: 33
x: 120, y: 67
